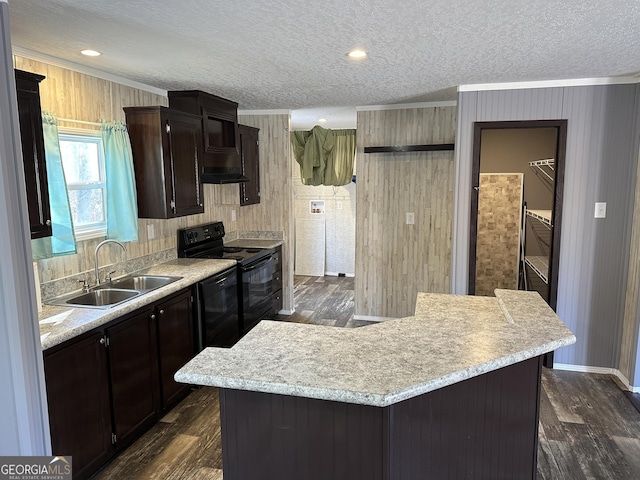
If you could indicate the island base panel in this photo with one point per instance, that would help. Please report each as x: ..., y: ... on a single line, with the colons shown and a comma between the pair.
x: 483, y: 427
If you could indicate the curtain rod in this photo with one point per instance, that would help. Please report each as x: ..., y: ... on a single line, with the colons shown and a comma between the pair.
x: 82, y: 122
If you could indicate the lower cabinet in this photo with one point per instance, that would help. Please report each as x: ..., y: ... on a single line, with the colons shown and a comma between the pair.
x: 277, y: 281
x: 133, y: 365
x: 108, y: 386
x: 79, y: 403
x: 176, y: 344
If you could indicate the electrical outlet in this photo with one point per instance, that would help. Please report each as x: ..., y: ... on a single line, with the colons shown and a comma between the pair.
x: 411, y: 219
x: 151, y: 233
x: 601, y: 210
x: 339, y: 206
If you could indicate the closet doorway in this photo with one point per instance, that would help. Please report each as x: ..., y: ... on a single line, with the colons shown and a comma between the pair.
x: 516, y: 206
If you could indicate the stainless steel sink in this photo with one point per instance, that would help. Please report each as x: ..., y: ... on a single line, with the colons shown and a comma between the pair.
x: 143, y: 282
x: 104, y: 297
x: 110, y: 294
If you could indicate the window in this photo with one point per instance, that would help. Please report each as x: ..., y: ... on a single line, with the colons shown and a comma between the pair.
x: 83, y: 162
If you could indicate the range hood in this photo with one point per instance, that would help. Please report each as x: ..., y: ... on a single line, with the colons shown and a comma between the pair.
x: 220, y: 176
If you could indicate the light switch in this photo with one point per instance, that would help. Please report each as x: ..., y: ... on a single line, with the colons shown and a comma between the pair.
x: 151, y: 233
x: 233, y: 215
x: 410, y: 218
x: 601, y: 210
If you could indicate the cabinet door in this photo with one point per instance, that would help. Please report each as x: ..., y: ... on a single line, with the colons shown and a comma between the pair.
x: 133, y: 363
x: 185, y: 140
x: 277, y: 281
x: 78, y: 398
x: 176, y: 343
x: 249, y: 191
x: 35, y: 170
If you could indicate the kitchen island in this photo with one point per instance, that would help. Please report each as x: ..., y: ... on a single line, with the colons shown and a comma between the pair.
x: 452, y: 392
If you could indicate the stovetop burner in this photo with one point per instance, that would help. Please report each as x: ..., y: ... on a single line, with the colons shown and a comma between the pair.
x: 232, y: 249
x: 253, y: 250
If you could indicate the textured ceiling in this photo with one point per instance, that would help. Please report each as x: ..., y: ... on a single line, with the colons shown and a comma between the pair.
x: 291, y: 54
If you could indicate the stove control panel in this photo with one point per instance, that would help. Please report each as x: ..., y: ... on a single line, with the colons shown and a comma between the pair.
x: 201, y: 233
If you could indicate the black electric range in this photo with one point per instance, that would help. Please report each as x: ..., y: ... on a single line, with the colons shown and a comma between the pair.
x: 255, y: 284
x: 206, y: 241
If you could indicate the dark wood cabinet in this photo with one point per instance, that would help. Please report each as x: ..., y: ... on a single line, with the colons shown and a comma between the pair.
x: 176, y: 344
x: 219, y: 117
x: 167, y: 157
x: 79, y: 405
x: 250, y: 161
x: 108, y: 386
x: 133, y: 365
x: 32, y: 140
x: 277, y: 281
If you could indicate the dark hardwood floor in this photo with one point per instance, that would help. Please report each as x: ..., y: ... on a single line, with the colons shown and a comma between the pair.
x: 589, y: 428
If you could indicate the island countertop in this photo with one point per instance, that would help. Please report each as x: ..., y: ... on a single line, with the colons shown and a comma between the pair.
x: 451, y: 338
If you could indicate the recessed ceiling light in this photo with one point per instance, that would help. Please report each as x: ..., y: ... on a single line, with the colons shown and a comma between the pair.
x: 322, y: 120
x: 91, y: 53
x: 357, y: 54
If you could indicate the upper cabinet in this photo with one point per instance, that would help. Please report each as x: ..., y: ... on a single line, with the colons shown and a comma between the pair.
x: 220, y: 134
x: 35, y: 170
x: 250, y: 159
x: 167, y: 157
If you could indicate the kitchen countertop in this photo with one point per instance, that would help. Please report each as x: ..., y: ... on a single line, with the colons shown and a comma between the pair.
x: 450, y: 338
x: 58, y: 324
x: 254, y: 243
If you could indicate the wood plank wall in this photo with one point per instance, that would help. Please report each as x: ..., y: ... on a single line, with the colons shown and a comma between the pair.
x: 601, y: 162
x: 394, y: 260
x: 78, y: 96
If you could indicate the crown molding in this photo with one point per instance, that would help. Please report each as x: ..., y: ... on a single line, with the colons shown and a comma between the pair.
x: 572, y: 82
x: 76, y: 67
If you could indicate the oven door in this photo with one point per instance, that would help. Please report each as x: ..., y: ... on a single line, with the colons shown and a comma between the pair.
x: 257, y: 291
x: 218, y: 310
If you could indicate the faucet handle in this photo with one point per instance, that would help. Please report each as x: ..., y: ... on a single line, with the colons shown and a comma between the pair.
x: 108, y: 277
x: 85, y: 285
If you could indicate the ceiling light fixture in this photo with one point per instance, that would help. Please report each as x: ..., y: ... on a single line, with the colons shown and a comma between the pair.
x: 322, y: 120
x: 357, y: 54
x: 91, y: 53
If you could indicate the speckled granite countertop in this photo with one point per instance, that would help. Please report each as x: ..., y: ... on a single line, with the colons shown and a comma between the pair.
x: 58, y: 324
x: 451, y: 338
x: 254, y: 243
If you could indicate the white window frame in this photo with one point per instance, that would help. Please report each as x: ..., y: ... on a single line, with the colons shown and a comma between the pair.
x: 98, y: 229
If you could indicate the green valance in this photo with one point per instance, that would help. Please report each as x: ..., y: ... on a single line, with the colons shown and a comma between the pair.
x: 326, y: 157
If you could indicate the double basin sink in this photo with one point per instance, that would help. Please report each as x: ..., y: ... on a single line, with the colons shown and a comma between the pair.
x: 113, y: 293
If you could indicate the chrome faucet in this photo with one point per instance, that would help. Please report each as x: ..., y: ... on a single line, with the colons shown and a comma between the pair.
x: 95, y: 256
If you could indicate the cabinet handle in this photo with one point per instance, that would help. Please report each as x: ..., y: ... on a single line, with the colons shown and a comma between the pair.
x: 153, y: 316
x: 102, y: 341
x: 161, y: 312
x: 48, y: 223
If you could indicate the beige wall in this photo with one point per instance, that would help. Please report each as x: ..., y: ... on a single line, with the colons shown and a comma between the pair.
x: 394, y: 261
x: 82, y: 97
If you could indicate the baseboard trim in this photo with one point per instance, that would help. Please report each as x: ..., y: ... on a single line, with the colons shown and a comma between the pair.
x: 337, y: 274
x: 601, y: 370
x: 372, y: 318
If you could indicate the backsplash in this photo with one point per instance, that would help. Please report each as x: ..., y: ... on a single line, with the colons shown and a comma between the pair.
x: 256, y: 235
x: 61, y: 285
